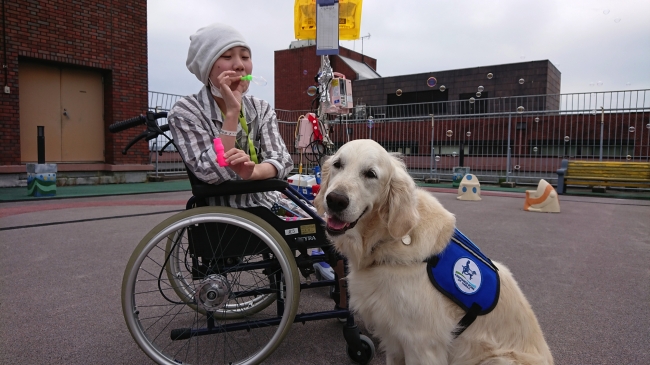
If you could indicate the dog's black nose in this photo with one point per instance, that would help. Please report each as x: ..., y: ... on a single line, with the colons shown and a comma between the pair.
x: 337, y: 202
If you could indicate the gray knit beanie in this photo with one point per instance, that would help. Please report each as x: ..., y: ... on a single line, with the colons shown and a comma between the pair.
x: 207, y: 44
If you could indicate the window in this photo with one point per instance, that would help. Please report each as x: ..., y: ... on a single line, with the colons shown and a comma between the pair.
x: 472, y: 148
x: 404, y: 147
x: 417, y: 104
x: 581, y: 148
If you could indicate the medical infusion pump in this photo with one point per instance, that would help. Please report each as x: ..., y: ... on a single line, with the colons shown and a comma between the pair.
x: 341, y: 93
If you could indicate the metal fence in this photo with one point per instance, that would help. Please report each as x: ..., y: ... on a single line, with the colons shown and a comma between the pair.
x: 166, y: 162
x: 520, y: 139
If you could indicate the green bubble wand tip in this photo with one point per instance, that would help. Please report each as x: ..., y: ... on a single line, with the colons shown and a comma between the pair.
x: 258, y: 80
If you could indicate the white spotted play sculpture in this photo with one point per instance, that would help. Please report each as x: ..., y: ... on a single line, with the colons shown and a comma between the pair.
x: 469, y: 188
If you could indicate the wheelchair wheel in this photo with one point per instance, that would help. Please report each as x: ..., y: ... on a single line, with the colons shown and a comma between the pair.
x: 180, y: 278
x: 222, y: 263
x: 364, y: 354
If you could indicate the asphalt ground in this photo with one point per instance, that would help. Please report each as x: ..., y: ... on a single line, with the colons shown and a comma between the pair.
x: 585, y: 272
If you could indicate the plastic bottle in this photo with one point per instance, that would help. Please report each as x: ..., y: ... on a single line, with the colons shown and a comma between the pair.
x: 219, y: 149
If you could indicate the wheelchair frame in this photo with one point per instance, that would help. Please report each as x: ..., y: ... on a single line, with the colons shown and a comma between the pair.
x: 201, y: 281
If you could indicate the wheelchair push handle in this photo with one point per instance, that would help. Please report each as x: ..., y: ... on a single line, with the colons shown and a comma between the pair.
x: 126, y: 124
x: 134, y: 122
x: 149, y: 119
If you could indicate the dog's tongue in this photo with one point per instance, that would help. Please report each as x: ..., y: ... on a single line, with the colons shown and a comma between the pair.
x: 335, y: 223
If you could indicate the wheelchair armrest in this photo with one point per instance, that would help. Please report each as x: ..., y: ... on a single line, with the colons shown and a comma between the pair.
x: 201, y: 189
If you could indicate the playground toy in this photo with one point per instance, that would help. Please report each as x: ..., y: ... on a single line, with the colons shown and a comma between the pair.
x: 544, y: 199
x: 470, y: 188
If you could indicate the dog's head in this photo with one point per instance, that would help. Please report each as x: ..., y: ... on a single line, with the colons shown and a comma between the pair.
x: 362, y: 181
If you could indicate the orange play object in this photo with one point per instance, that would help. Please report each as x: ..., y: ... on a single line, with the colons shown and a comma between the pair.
x: 544, y: 199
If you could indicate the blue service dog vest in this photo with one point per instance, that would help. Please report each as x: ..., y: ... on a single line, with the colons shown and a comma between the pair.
x: 466, y: 276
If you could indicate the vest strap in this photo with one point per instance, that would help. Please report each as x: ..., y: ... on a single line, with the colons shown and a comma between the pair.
x: 467, y: 319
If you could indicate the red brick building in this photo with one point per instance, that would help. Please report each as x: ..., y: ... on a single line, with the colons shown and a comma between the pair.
x: 73, y: 67
x: 296, y: 67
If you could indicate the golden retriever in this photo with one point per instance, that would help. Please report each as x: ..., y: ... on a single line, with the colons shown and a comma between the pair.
x: 373, y: 207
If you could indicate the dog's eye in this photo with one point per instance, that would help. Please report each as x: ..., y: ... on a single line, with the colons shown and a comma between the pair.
x: 337, y: 164
x: 370, y: 174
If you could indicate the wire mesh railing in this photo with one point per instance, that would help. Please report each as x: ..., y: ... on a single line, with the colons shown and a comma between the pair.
x: 167, y: 161
x: 519, y: 139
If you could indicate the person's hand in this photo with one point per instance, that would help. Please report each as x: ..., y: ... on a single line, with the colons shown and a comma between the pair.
x: 240, y: 162
x: 232, y: 88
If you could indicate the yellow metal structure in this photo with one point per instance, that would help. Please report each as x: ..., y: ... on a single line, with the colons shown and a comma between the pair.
x: 349, y: 19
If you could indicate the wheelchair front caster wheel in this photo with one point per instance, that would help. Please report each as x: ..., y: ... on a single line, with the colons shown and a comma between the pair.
x: 364, y: 354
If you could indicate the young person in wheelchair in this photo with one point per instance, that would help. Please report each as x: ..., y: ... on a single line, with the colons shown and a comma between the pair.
x: 221, y: 284
x: 219, y: 56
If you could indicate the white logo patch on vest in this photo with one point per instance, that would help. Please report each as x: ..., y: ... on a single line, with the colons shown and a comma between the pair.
x: 467, y: 275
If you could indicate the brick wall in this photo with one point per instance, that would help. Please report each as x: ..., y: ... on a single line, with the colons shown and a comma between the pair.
x: 296, y: 68
x: 540, y: 78
x: 106, y: 36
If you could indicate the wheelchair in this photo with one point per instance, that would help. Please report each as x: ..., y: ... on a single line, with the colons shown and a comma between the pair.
x: 219, y: 285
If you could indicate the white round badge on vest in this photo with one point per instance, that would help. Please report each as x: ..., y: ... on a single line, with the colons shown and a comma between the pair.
x: 467, y: 275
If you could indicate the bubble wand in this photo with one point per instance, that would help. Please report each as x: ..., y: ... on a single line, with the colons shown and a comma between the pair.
x: 257, y: 80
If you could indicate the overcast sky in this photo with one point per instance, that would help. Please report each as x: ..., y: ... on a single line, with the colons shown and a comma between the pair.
x: 598, y: 45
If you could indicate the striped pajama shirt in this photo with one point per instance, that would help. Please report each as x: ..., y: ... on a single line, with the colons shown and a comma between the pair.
x: 196, y: 120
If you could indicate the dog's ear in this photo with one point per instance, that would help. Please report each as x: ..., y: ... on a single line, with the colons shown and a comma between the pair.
x: 325, y: 174
x: 399, y: 207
